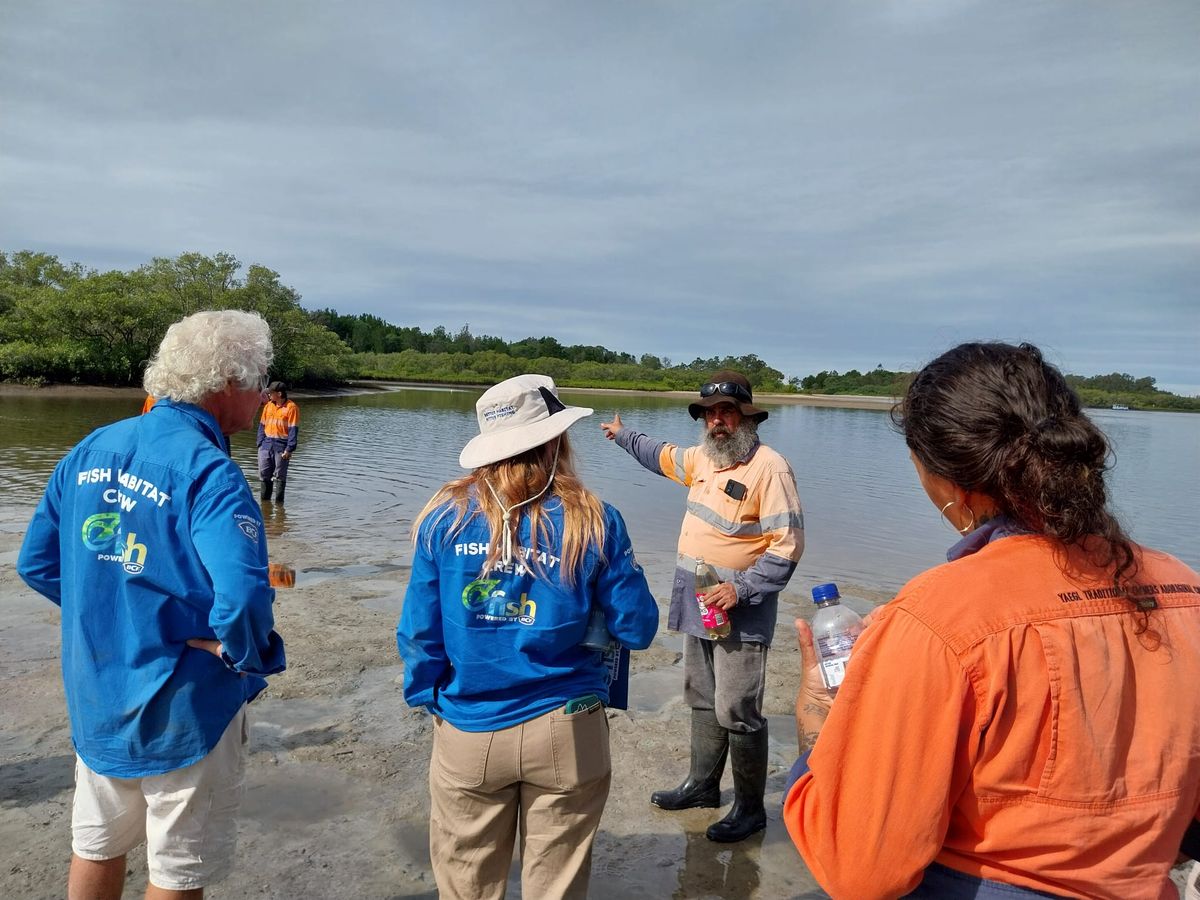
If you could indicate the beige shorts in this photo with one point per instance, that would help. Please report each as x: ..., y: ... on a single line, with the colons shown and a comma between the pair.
x: 186, y: 817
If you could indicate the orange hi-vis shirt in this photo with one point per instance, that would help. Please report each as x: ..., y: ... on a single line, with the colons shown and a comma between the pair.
x: 744, y: 519
x: 1014, y: 723
x: 732, y: 532
x: 281, y: 423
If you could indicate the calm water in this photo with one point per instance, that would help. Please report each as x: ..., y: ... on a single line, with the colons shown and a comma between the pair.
x: 367, y: 463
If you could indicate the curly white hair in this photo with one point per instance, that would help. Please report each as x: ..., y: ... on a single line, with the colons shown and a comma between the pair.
x: 202, y: 353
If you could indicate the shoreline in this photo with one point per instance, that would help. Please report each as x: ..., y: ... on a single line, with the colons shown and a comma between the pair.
x: 841, y: 401
x: 838, y: 401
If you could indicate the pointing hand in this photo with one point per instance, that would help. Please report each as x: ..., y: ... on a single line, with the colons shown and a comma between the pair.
x: 613, y: 428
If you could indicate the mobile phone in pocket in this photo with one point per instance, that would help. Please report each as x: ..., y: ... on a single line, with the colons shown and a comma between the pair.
x: 735, y: 489
x: 586, y: 703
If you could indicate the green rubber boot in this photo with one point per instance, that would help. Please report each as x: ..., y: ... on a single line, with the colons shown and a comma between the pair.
x: 748, y: 753
x: 702, y: 789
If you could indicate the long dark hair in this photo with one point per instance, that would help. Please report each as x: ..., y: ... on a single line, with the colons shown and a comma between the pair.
x: 999, y: 419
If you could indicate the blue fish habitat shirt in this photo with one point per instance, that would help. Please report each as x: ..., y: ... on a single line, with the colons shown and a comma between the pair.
x: 149, y: 535
x: 486, y: 651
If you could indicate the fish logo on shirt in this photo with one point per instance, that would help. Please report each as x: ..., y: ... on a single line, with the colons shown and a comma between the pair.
x: 491, y: 605
x: 99, y: 531
x: 476, y: 593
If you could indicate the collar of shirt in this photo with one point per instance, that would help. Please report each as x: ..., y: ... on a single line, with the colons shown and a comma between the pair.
x: 205, y: 419
x: 991, y: 530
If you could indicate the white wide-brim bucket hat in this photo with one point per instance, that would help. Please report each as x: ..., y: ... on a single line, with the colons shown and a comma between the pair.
x: 517, y: 415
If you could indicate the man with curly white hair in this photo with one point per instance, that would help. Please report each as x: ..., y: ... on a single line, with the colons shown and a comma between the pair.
x: 150, y: 540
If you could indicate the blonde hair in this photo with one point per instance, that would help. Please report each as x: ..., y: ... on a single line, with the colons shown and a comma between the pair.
x: 205, y: 351
x: 515, y: 480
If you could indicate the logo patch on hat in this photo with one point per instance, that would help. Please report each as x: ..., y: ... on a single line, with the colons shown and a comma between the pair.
x: 500, y: 412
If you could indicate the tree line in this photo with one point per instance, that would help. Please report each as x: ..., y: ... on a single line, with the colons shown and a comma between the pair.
x: 61, y: 323
x: 1097, y: 391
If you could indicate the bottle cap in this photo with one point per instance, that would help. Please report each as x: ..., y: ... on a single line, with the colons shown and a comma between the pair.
x: 823, y: 592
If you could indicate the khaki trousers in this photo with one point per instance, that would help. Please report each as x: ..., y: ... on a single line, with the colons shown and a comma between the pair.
x: 546, y: 779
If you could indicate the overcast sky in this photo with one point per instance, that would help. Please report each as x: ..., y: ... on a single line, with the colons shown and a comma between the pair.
x: 828, y: 185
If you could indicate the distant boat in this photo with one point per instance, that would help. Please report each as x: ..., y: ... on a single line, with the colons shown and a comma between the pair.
x: 1119, y: 406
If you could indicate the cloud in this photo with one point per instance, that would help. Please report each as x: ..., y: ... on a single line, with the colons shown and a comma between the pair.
x: 825, y: 185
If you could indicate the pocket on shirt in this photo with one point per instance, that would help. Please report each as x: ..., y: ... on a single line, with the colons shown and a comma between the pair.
x: 1108, y: 726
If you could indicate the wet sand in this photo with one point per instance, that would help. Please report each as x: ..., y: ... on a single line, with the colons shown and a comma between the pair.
x: 337, y: 797
x: 337, y: 800
x: 337, y: 803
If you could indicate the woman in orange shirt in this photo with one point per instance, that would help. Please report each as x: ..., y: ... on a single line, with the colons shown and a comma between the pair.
x: 278, y: 430
x: 1023, y: 720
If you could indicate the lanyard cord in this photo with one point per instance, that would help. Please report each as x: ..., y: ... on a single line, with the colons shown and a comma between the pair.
x: 507, y: 511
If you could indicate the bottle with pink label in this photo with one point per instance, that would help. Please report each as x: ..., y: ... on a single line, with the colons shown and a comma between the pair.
x: 714, y: 619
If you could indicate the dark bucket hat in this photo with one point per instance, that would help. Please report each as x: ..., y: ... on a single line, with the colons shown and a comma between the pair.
x: 727, y: 386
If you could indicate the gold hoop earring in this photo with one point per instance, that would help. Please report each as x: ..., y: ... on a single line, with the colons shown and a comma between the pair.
x: 969, y: 527
x: 945, y: 520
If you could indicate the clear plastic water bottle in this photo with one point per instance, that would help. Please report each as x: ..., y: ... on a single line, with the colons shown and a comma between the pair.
x: 597, y: 636
x: 714, y: 619
x: 835, y: 629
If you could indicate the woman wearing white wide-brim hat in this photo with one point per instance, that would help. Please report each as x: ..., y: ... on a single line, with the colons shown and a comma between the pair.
x: 510, y: 560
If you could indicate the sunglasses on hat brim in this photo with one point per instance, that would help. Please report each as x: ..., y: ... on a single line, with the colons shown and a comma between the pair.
x: 728, y: 389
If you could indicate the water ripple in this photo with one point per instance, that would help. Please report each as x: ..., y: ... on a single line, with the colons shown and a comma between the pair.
x: 367, y: 464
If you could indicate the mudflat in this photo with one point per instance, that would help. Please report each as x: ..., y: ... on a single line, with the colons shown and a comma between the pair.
x: 337, y: 801
x: 337, y: 798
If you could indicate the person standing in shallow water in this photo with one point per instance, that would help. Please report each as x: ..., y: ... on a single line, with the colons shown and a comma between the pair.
x: 510, y: 562
x: 278, y: 430
x: 1023, y: 720
x: 743, y: 517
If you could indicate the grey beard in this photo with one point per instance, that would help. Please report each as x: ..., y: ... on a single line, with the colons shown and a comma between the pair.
x: 728, y: 451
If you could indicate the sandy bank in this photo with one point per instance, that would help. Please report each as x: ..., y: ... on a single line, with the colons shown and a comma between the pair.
x: 337, y: 796
x: 840, y: 401
x: 337, y: 800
